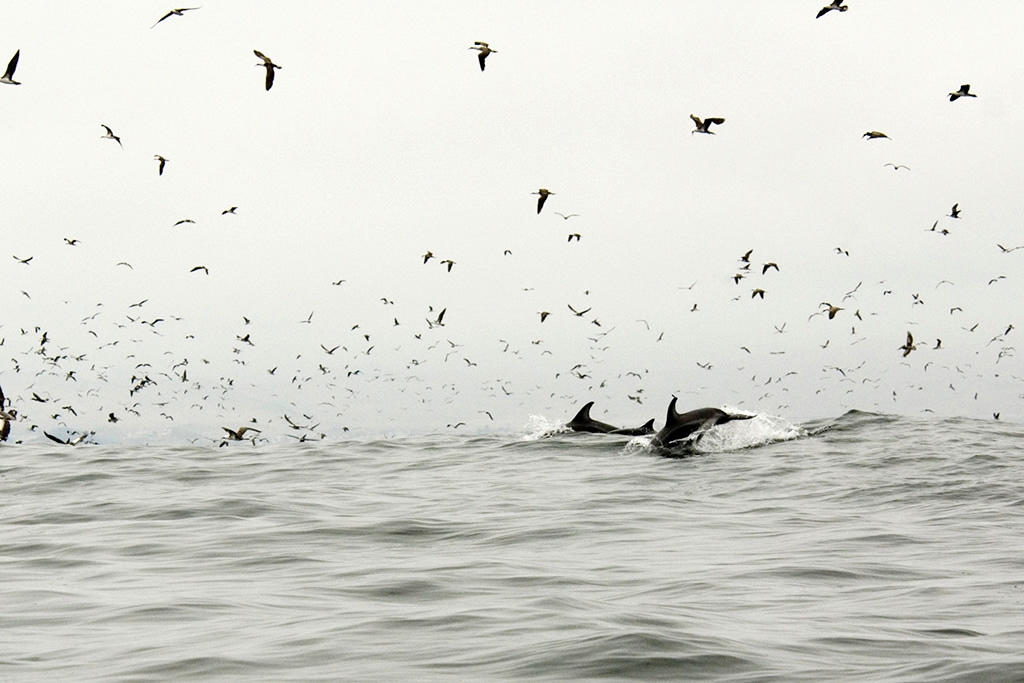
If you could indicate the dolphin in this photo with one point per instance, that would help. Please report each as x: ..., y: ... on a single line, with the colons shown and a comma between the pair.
x: 584, y: 423
x: 681, y: 425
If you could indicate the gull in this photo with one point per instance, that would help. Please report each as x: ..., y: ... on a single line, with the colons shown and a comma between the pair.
x: 702, y: 126
x: 964, y: 91
x: 768, y: 265
x: 566, y: 217
x: 579, y: 314
x: 270, y: 66
x: 160, y: 168
x: 232, y: 210
x: 1007, y: 251
x: 8, y: 77
x: 110, y: 134
x: 909, y: 346
x: 542, y: 198
x: 24, y: 260
x: 202, y: 268
x: 874, y: 135
x: 174, y: 13
x: 835, y: 4
x: 832, y: 310
x: 71, y: 242
x: 897, y: 167
x: 437, y: 322
x: 483, y: 50
x: 183, y: 220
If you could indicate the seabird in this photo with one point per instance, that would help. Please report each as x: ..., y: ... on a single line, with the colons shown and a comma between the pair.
x: 270, y: 66
x: 483, y: 50
x: 564, y: 216
x: 8, y: 76
x: 909, y: 346
x: 835, y: 4
x: 6, y: 417
x: 240, y: 434
x: 897, y: 167
x: 542, y: 198
x: 110, y: 134
x: 702, y: 126
x: 175, y: 13
x: 955, y: 212
x: 160, y: 168
x: 964, y: 91
x: 874, y: 135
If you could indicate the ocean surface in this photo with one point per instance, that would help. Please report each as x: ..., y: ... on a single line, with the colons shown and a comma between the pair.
x: 862, y: 548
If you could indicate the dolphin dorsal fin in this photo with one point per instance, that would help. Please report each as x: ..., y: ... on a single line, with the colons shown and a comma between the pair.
x: 584, y: 414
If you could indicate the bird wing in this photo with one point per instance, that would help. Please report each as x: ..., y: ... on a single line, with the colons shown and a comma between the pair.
x: 696, y: 121
x: 823, y: 11
x: 708, y: 122
x: 270, y: 75
x: 12, y: 65
x: 482, y: 58
x: 266, y: 60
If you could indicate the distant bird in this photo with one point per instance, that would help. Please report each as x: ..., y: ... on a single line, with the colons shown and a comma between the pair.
x: 955, y: 211
x: 174, y: 13
x: 764, y: 269
x: 909, y: 346
x: 757, y: 292
x: 566, y: 217
x: 269, y: 65
x: 438, y: 322
x: 71, y: 242
x: 544, y: 315
x: 8, y: 77
x: 483, y: 49
x: 163, y: 162
x: 449, y: 263
x: 542, y: 198
x: 202, y: 268
x: 233, y: 209
x: 26, y: 261
x: 6, y: 417
x: 964, y: 91
x: 110, y: 135
x: 835, y: 4
x: 1007, y: 251
x: 579, y: 314
x: 832, y: 310
x: 426, y: 257
x: 897, y: 167
x: 574, y: 235
x: 703, y: 126
x: 183, y: 220
x: 874, y: 135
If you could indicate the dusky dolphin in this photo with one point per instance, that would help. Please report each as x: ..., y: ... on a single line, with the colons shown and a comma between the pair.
x: 681, y: 425
x: 584, y: 423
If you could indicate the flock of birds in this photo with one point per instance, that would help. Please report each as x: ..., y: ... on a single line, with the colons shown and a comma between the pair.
x: 178, y: 382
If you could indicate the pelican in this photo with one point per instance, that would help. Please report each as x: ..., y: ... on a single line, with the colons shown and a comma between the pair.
x: 160, y: 168
x: 483, y: 49
x: 703, y: 126
x: 874, y: 135
x: 269, y: 65
x: 110, y: 134
x: 964, y: 91
x: 8, y: 76
x: 542, y: 198
x: 835, y: 4
x: 174, y: 13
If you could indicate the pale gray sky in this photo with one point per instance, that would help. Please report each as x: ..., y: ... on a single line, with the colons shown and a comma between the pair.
x: 381, y: 139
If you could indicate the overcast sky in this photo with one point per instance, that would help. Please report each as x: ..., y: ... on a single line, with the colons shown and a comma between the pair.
x: 381, y: 140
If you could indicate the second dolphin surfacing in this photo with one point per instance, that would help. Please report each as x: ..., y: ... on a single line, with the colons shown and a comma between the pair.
x: 582, y: 422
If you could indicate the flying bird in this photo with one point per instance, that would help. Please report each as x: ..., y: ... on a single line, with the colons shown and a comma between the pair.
x: 897, y: 167
x: 239, y: 435
x: 8, y: 77
x: 174, y: 13
x: 909, y: 346
x: 955, y: 211
x: 269, y: 65
x: 835, y: 4
x: 703, y: 126
x: 110, y: 134
x: 564, y: 216
x: 483, y: 49
x: 163, y: 162
x: 964, y: 91
x: 202, y: 268
x: 542, y: 198
x: 426, y: 257
x: 874, y: 135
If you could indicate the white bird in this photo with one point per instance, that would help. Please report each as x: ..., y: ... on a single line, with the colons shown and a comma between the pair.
x: 110, y: 134
x: 703, y: 126
x: 269, y: 65
x: 8, y: 76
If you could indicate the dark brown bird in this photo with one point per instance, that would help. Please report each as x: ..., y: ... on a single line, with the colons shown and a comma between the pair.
x: 269, y: 65
x: 964, y: 91
x: 483, y: 49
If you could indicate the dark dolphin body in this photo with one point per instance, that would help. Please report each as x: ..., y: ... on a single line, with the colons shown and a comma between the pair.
x: 681, y: 425
x: 584, y: 423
